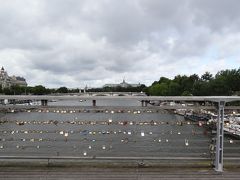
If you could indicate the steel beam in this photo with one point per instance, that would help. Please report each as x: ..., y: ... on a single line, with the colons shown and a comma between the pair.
x: 220, y: 137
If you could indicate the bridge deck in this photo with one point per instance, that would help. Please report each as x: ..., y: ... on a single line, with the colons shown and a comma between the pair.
x: 70, y: 173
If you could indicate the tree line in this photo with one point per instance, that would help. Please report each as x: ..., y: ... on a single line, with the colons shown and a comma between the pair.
x: 224, y: 83
x: 41, y: 90
x: 36, y: 90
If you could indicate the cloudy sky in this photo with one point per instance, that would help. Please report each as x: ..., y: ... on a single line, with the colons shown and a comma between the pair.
x: 77, y: 42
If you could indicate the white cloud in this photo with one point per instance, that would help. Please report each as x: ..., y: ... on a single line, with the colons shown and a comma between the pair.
x: 74, y: 43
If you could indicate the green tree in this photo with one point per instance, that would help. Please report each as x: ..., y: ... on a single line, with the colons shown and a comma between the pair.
x: 225, y: 82
x: 62, y: 90
x: 159, y: 89
x: 174, y: 89
x: 164, y: 80
x: 184, y: 82
x: 186, y: 93
x: 39, y: 90
x: 207, y: 76
x: 18, y: 90
x: 231, y: 78
x: 219, y: 87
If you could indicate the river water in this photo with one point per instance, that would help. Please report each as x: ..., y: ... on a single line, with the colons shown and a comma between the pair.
x: 136, y: 133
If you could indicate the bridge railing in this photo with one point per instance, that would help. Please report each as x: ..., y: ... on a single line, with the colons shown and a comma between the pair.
x: 139, y: 133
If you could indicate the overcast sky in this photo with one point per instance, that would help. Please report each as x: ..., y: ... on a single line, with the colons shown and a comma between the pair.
x: 77, y: 42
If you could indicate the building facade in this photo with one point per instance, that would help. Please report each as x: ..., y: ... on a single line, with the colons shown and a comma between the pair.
x: 123, y: 84
x: 7, y: 81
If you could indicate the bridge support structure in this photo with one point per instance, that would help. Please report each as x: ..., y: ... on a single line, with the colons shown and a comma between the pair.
x: 44, y: 102
x: 94, y: 103
x: 220, y: 137
x: 144, y: 103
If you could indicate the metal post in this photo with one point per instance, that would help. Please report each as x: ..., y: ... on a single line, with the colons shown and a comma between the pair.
x: 220, y: 136
x: 94, y: 102
x: 146, y: 103
x: 44, y: 102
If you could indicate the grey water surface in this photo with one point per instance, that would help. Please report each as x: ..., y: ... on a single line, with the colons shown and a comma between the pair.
x: 106, y: 134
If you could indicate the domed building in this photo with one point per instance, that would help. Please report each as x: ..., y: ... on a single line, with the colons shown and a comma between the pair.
x: 8, y: 81
x: 123, y: 84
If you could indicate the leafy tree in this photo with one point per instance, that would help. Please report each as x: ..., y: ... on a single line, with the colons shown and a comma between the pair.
x: 73, y: 90
x: 226, y: 82
x: 8, y: 91
x: 62, y: 90
x: 207, y: 76
x: 219, y: 87
x: 184, y: 82
x: 159, y: 89
x: 164, y: 80
x: 155, y: 82
x: 231, y: 78
x: 18, y: 90
x: 39, y: 90
x: 186, y: 93
x: 174, y: 89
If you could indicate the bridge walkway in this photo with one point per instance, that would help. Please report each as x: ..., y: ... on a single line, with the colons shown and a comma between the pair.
x: 73, y: 173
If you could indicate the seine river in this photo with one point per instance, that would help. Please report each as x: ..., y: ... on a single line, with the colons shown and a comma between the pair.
x: 133, y: 133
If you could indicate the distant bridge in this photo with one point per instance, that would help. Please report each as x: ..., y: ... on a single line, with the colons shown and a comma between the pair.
x: 137, y: 97
x: 103, y: 94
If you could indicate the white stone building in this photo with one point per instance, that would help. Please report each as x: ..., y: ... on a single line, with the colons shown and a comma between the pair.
x: 123, y: 84
x: 8, y: 81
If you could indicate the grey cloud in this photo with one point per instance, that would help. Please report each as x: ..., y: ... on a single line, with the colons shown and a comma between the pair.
x: 217, y: 15
x: 70, y: 42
